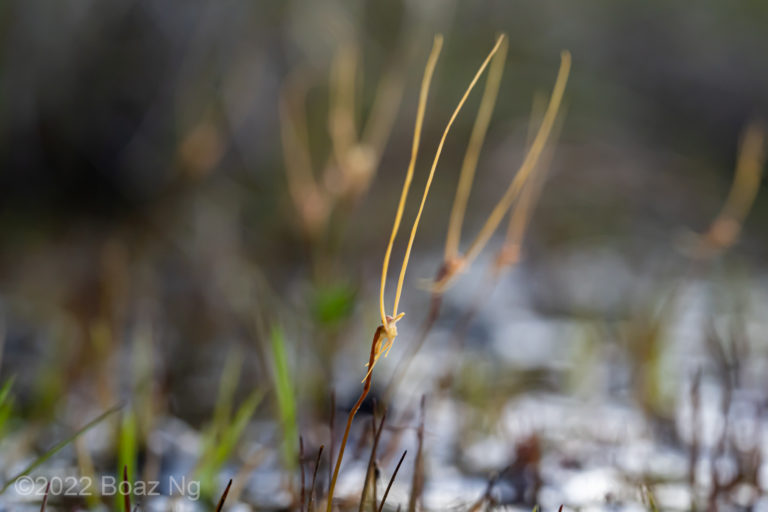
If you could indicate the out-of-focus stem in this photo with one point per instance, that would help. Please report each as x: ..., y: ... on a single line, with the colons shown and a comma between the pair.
x: 727, y: 225
x: 531, y: 159
x: 471, y: 156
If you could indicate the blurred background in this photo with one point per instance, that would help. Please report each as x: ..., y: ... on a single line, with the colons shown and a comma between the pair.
x: 174, y: 187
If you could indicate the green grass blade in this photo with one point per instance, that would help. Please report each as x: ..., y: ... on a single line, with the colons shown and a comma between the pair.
x: 286, y: 398
x: 6, y: 404
x: 208, y: 465
x: 223, y: 408
x: 232, y: 435
x: 126, y: 450
x: 230, y: 376
x: 218, y: 452
x: 6, y: 390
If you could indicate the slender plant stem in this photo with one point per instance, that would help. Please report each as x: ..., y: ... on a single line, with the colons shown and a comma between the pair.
x: 127, y: 495
x: 314, y: 478
x: 372, y: 460
x: 223, y: 498
x: 45, y: 496
x: 391, y: 481
x: 366, y: 388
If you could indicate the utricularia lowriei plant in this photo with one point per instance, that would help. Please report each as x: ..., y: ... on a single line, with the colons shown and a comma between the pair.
x: 386, y: 333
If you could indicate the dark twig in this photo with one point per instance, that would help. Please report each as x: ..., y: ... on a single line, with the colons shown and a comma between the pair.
x: 45, y: 497
x: 223, y: 498
x: 372, y: 458
x: 314, y: 478
x: 301, y: 470
x: 391, y: 481
x: 126, y: 490
x: 376, y: 473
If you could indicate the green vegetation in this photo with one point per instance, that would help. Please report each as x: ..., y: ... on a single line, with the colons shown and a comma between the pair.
x: 286, y: 396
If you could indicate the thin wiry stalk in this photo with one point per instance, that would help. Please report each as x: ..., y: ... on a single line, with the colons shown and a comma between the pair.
x: 389, y: 323
x: 314, y: 479
x: 126, y: 495
x: 372, y: 458
x: 472, y: 154
x: 220, y: 505
x: 366, y: 388
x: 423, y: 95
x: 391, y: 481
x: 45, y: 496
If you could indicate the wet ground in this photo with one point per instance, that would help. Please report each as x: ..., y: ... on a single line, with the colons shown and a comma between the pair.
x: 663, y: 407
